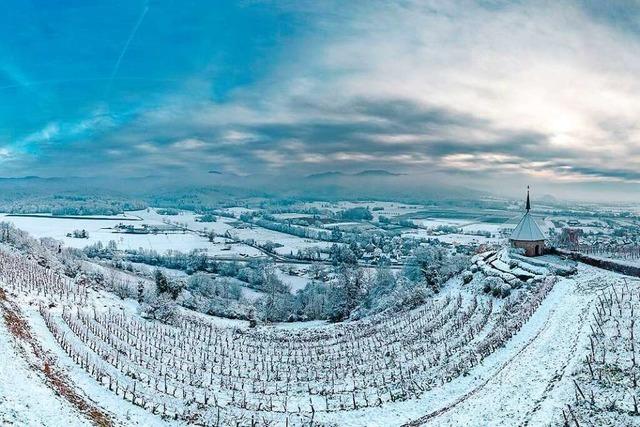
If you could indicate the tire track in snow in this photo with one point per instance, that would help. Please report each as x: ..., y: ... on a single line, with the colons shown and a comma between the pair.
x: 560, y: 373
x: 530, y: 381
x: 424, y: 419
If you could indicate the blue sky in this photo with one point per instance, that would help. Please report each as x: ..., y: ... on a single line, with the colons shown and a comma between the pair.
x: 74, y: 74
x: 466, y: 91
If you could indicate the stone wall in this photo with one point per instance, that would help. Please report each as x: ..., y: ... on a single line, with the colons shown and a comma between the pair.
x: 612, y: 265
x: 531, y: 248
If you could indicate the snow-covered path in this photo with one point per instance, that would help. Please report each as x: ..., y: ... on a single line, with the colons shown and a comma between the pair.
x: 25, y: 400
x: 532, y: 384
x: 522, y: 388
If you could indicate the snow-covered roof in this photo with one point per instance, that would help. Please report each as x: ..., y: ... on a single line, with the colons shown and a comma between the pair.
x: 527, y: 229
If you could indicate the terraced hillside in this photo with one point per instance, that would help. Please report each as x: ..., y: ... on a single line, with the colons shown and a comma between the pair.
x: 443, y: 363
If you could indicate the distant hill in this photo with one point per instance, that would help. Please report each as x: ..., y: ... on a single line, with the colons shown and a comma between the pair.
x: 370, y: 183
x: 364, y: 173
x: 323, y: 175
x: 377, y: 172
x: 35, y: 194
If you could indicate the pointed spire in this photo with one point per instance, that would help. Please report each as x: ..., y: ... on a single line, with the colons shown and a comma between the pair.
x: 528, y: 202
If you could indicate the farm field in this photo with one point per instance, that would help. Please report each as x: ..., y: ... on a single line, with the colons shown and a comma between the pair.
x: 101, y: 230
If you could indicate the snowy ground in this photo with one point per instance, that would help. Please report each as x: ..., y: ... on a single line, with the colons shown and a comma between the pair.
x: 456, y: 238
x: 525, y: 382
x: 290, y: 244
x: 295, y: 282
x: 23, y: 392
x: 101, y: 230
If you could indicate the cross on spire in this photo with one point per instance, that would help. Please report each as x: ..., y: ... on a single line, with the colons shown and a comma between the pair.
x: 528, y: 202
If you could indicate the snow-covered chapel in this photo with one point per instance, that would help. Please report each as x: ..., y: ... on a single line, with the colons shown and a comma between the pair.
x: 527, y: 234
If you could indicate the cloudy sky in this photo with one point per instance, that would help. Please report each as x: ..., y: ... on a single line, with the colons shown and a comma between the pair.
x: 483, y: 91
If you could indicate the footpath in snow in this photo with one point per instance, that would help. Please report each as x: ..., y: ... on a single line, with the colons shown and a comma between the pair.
x: 524, y: 385
x: 528, y: 383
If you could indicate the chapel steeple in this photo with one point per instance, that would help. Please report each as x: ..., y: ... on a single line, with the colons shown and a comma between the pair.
x: 527, y: 234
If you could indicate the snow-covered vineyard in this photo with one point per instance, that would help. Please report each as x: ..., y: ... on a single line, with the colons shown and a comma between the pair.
x: 418, y: 366
x: 606, y: 385
x: 199, y: 372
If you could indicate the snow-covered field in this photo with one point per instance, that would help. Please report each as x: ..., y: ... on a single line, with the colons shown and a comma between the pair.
x: 290, y: 244
x: 102, y: 230
x: 456, y: 238
x: 295, y: 282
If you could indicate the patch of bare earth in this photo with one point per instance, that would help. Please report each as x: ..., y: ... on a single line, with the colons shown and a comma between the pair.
x: 40, y: 361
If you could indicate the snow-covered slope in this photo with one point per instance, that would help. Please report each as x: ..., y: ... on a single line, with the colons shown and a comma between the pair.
x: 467, y: 358
x: 25, y: 399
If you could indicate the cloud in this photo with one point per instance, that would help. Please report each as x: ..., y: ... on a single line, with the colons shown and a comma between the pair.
x: 188, y: 144
x: 546, y: 90
x: 51, y: 130
x: 5, y: 153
